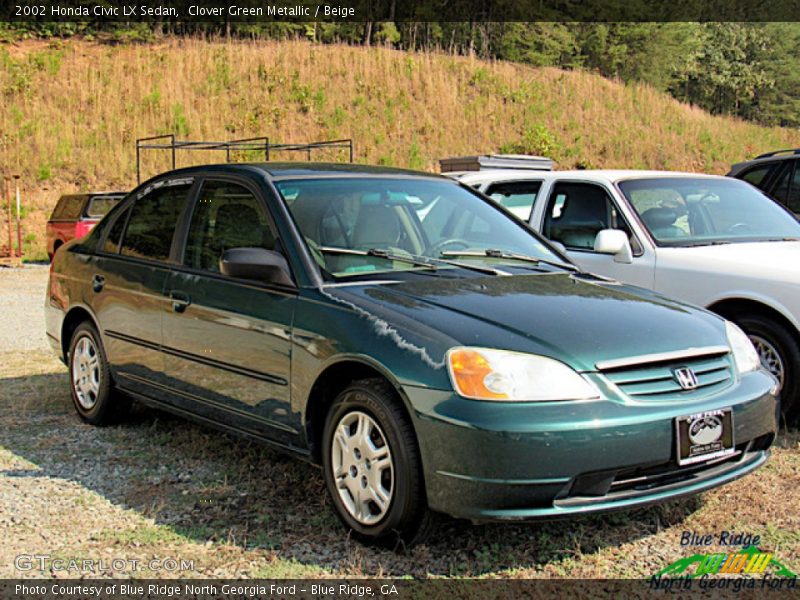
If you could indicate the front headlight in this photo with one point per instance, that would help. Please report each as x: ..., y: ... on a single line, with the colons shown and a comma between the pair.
x: 486, y: 374
x: 744, y: 353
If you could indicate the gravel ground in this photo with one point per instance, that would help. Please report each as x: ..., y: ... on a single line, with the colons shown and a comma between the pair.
x: 160, y: 488
x: 23, y: 292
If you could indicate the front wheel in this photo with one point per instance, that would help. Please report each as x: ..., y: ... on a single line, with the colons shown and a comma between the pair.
x: 93, y: 393
x: 372, y: 465
x: 780, y: 355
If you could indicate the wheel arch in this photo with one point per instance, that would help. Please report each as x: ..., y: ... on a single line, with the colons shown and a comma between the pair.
x: 334, y: 377
x: 74, y: 317
x: 730, y: 307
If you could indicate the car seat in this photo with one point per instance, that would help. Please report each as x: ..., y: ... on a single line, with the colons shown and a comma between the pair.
x: 377, y: 226
x: 582, y: 217
x: 661, y: 222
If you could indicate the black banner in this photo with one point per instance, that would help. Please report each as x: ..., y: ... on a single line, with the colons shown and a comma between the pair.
x: 400, y: 589
x: 243, y: 11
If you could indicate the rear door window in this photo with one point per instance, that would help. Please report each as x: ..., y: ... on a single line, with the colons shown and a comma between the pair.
x: 793, y: 198
x: 757, y: 175
x: 783, y: 181
x: 152, y: 222
x: 516, y: 196
x: 111, y: 243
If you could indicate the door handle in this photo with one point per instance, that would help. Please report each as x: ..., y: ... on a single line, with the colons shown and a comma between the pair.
x: 98, y: 281
x: 179, y: 301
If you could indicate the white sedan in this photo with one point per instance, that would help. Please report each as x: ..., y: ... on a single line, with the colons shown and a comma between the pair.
x: 712, y: 241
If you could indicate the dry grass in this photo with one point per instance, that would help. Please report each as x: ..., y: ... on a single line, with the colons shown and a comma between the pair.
x: 71, y: 110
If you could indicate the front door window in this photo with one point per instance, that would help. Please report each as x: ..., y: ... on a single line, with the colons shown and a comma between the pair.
x: 576, y: 212
x: 227, y: 215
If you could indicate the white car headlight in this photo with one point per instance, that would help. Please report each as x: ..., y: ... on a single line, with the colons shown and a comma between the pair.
x: 744, y: 353
x: 487, y: 374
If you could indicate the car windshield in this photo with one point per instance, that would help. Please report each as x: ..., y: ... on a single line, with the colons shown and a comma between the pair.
x: 363, y: 225
x: 687, y: 211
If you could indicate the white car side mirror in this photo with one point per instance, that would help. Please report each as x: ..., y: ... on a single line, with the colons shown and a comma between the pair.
x: 615, y: 242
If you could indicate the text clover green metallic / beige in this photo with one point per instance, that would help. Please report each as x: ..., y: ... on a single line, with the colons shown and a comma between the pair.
x: 319, y: 308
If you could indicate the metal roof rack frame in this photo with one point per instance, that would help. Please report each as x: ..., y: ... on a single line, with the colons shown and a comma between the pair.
x: 776, y: 152
x: 257, y: 144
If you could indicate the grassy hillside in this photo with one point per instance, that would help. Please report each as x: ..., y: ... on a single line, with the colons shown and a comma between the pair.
x: 71, y: 111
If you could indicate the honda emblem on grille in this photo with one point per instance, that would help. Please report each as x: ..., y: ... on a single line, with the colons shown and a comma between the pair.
x: 685, y: 378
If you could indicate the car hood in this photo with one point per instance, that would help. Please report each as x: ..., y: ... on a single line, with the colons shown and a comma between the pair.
x: 760, y: 260
x: 577, y: 319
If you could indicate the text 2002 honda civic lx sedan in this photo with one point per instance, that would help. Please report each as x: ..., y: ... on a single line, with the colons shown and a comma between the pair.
x: 314, y: 307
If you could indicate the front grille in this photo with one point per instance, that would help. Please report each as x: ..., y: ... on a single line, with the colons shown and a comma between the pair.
x: 657, y: 380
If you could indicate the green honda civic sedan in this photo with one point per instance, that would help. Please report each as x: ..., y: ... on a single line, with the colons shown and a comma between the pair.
x: 422, y: 345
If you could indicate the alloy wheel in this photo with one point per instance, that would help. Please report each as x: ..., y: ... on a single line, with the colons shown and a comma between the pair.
x: 86, y: 373
x: 363, y: 468
x: 770, y: 357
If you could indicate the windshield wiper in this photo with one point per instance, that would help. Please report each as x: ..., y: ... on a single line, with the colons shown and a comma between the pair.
x: 495, y: 253
x: 469, y: 267
x: 413, y: 259
x: 379, y: 253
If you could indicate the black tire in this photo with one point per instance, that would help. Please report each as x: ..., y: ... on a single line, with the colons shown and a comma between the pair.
x: 407, y: 519
x: 104, y: 406
x: 787, y: 348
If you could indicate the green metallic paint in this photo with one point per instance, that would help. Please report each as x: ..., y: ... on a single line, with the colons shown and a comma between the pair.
x: 246, y: 356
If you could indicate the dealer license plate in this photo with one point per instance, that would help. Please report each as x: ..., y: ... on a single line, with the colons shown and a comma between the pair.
x: 704, y: 436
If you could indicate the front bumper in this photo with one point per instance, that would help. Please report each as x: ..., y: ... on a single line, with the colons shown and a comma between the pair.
x: 495, y: 461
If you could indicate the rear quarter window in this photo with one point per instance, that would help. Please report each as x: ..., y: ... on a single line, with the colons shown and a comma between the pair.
x: 111, y: 243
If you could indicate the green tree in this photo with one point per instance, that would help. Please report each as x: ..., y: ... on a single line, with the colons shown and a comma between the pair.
x: 728, y: 70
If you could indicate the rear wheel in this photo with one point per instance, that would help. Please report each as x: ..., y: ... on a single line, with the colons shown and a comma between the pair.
x: 780, y: 355
x: 93, y: 393
x: 372, y: 465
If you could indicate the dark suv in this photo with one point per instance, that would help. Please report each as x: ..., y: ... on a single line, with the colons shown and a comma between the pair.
x: 418, y: 341
x: 776, y: 173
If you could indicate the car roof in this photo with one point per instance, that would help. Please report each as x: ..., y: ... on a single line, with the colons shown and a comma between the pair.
x: 772, y: 158
x: 593, y: 175
x: 621, y: 174
x: 275, y: 170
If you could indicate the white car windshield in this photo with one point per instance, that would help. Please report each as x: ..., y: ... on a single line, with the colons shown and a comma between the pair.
x: 687, y: 211
x: 364, y: 225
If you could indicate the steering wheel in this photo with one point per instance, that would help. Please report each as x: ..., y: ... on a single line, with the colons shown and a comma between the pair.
x: 743, y: 227
x: 438, y: 247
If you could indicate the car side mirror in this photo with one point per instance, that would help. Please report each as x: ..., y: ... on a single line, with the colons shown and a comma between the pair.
x: 615, y: 242
x: 559, y: 246
x: 258, y: 264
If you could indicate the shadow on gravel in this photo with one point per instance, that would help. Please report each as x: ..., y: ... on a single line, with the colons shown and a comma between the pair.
x: 208, y: 486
